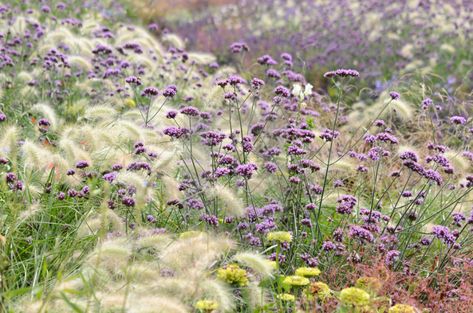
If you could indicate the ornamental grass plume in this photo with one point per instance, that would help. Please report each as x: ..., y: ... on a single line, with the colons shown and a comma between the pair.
x: 147, y: 265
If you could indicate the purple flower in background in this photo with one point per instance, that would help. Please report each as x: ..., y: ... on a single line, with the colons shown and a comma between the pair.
x: 346, y: 204
x: 171, y: 114
x: 444, y: 234
x: 394, y: 95
x: 458, y: 120
x: 10, y: 177
x: 270, y: 167
x: 82, y: 164
x: 426, y: 103
x: 257, y: 83
x: 212, y: 138
x: 360, y: 233
x: 328, y: 246
x: 391, y: 257
x: 110, y: 177
x: 44, y: 123
x: 195, y: 204
x: 209, y: 219
x: 128, y: 201
x: 342, y: 73
x: 246, y: 170
x: 409, y: 155
x: 133, y: 80
x: 309, y: 260
x: 272, y: 73
x: 266, y: 60
x: 190, y: 111
x: 153, y: 27
x: 61, y: 196
x: 150, y: 92
x: 235, y: 80
x: 170, y: 91
x: 238, y: 47
x: 282, y: 91
x: 329, y: 135
x: 286, y: 57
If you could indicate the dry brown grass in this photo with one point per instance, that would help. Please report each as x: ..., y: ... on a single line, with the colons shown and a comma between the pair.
x: 156, y: 9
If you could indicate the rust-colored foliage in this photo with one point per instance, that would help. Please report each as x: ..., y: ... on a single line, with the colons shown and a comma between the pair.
x: 450, y: 290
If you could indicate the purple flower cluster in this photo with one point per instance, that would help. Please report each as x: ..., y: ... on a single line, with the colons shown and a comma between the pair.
x: 342, y: 73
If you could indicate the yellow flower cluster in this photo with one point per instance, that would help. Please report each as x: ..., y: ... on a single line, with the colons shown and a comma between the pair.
x: 308, y: 271
x: 296, y: 280
x: 320, y: 289
x: 206, y: 305
x: 279, y: 236
x: 354, y: 296
x: 286, y: 297
x: 402, y: 308
x: 369, y: 283
x: 234, y: 275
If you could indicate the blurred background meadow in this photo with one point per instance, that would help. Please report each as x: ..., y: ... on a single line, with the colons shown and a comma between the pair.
x: 236, y: 156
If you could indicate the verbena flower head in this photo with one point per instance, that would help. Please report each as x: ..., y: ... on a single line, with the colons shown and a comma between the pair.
x: 459, y: 120
x: 170, y: 91
x: 342, y: 73
x: 82, y: 164
x: 307, y: 271
x: 190, y: 111
x: 361, y: 234
x: 150, y: 92
x: 394, y: 95
x: 233, y: 275
x: 238, y: 47
x: 354, y: 297
x: 235, y: 80
x: 279, y: 236
x: 246, y: 170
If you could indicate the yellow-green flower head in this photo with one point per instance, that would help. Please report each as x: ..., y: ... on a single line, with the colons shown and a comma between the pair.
x: 206, y: 305
x: 286, y: 297
x: 354, y: 296
x: 320, y: 289
x: 280, y: 236
x: 233, y: 275
x: 307, y: 271
x: 368, y: 283
x: 273, y: 264
x: 296, y: 280
x: 402, y: 308
x: 190, y: 234
x: 130, y: 103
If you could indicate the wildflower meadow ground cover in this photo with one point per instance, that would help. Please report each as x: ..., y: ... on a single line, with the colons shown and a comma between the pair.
x: 281, y: 160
